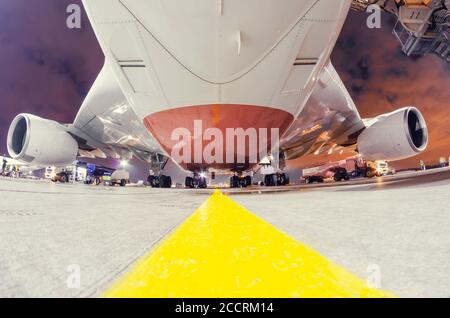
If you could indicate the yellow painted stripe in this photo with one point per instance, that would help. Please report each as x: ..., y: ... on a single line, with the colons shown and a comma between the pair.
x: 222, y: 250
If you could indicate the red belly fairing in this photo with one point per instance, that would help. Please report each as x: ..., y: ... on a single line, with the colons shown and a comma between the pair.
x: 221, y: 116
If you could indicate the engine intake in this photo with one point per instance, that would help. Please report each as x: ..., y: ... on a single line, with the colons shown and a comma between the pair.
x: 394, y: 136
x: 39, y: 141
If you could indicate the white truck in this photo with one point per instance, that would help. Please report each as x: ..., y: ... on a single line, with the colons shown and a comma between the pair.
x: 120, y: 177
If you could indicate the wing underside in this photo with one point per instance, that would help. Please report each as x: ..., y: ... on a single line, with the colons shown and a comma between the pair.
x: 328, y: 125
x: 106, y: 125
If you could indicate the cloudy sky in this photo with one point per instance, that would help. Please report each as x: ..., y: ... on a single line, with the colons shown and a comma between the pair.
x: 47, y: 69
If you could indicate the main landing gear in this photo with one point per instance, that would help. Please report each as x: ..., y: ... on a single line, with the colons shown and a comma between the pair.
x: 161, y: 181
x: 240, y: 181
x: 276, y: 179
x: 156, y: 178
x: 198, y: 181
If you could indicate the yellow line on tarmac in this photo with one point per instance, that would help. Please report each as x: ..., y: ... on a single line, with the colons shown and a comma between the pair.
x: 222, y: 250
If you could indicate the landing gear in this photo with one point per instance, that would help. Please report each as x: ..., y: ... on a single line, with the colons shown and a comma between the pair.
x: 240, y: 182
x: 157, y: 165
x: 161, y: 181
x: 196, y: 182
x: 153, y: 181
x: 277, y: 179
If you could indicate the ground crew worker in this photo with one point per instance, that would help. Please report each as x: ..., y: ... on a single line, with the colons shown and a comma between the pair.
x: 5, y: 162
x: 422, y: 165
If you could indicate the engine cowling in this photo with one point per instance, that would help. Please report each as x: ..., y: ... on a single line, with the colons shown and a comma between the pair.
x: 39, y: 141
x: 394, y: 136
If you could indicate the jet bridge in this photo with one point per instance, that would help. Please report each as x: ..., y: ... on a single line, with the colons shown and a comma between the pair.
x: 422, y: 26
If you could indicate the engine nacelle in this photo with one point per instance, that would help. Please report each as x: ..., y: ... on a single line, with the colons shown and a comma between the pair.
x: 394, y: 136
x: 39, y: 141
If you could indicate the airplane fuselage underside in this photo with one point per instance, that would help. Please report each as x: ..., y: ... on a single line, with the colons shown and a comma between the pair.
x: 196, y: 66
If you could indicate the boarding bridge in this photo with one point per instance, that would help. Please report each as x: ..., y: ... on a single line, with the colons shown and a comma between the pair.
x: 422, y: 26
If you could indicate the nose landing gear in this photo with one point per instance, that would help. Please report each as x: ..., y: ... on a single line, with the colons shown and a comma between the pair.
x: 198, y: 181
x: 276, y: 179
x: 240, y: 182
x: 161, y: 181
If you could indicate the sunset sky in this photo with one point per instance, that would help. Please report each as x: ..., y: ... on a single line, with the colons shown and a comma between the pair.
x: 47, y: 69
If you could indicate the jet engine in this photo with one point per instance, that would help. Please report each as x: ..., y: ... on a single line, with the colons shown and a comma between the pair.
x: 39, y: 141
x: 394, y: 136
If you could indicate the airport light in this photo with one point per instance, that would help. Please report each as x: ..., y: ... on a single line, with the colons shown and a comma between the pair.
x: 124, y: 163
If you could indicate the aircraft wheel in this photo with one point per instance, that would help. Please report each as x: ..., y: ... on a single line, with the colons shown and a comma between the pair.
x: 165, y: 182
x: 234, y: 182
x: 247, y: 181
x: 154, y: 181
x: 189, y: 182
x: 269, y: 180
x: 202, y: 184
x: 283, y: 179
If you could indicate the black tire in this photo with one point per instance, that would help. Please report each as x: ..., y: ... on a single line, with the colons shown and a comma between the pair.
x: 154, y: 181
x: 162, y: 182
x: 97, y: 181
x: 346, y: 177
x: 123, y: 182
x: 282, y: 179
x: 269, y: 180
x: 369, y: 173
x: 189, y: 182
x: 234, y: 182
x: 247, y: 181
x: 202, y: 184
x: 165, y: 182
x: 337, y: 177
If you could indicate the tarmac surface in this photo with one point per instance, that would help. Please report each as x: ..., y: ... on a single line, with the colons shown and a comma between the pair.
x: 395, y: 229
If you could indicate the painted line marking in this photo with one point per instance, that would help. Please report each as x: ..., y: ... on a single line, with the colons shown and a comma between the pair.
x: 224, y: 251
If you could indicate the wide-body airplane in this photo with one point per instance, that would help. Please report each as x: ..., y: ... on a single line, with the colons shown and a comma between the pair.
x: 180, y: 75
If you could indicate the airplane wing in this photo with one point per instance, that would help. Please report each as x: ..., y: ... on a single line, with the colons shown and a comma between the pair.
x: 329, y: 124
x: 106, y: 125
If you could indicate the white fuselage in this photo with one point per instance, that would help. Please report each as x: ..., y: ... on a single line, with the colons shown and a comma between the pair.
x: 227, y: 63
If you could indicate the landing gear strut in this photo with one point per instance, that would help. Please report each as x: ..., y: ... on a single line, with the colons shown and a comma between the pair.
x: 161, y: 181
x: 277, y: 179
x: 157, y: 179
x: 198, y: 181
